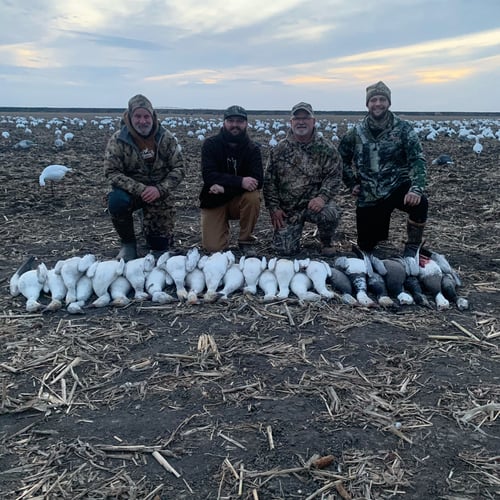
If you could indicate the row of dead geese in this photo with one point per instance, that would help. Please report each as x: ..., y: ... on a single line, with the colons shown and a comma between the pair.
x: 81, y: 282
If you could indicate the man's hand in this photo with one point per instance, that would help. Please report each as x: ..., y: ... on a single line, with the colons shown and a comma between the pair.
x: 249, y: 183
x: 150, y: 194
x: 278, y: 219
x: 316, y: 204
x: 412, y: 199
x: 216, y: 189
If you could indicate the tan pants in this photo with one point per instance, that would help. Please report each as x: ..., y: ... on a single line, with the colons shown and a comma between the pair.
x: 215, y: 221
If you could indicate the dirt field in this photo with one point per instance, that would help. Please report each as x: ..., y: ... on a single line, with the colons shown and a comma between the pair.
x: 399, y: 403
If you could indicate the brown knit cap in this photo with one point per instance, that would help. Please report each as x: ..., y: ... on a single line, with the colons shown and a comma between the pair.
x: 140, y: 101
x: 379, y: 88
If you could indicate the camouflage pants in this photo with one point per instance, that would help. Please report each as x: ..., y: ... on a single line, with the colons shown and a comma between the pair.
x: 287, y: 240
x: 158, y: 217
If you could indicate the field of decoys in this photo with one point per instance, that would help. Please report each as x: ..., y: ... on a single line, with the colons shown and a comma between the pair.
x: 224, y: 375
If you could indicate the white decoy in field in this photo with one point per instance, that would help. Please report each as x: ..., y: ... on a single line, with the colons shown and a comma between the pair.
x: 102, y: 275
x: 268, y: 282
x: 155, y: 286
x: 119, y: 290
x: 318, y: 272
x: 54, y: 285
x: 84, y: 291
x: 252, y: 267
x: 284, y: 270
x: 300, y: 285
x: 356, y: 270
x: 136, y: 271
x: 27, y: 265
x: 5, y: 134
x: 233, y: 281
x: 195, y: 282
x: 30, y: 285
x: 178, y: 266
x: 71, y: 270
x: 24, y: 144
x: 214, y: 267
x: 478, y: 147
x: 52, y: 174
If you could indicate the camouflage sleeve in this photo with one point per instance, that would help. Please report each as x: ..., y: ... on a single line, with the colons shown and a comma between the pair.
x: 270, y: 190
x: 346, y: 151
x: 416, y: 162
x: 332, y: 175
x: 115, y: 159
x: 171, y: 154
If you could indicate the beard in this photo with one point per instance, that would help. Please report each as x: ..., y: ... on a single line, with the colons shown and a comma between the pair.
x: 231, y: 136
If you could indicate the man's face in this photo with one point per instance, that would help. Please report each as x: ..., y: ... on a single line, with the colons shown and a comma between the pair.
x: 302, y: 125
x: 235, y: 125
x: 378, y: 106
x: 142, y: 121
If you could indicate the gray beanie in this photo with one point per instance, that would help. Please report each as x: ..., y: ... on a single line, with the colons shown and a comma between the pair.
x: 379, y: 88
x: 140, y: 101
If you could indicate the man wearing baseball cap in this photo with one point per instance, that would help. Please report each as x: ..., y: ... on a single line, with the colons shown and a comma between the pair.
x: 231, y: 165
x: 302, y: 178
x: 385, y: 169
x: 144, y: 165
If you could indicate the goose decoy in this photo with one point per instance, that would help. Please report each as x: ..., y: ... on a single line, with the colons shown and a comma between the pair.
x: 84, y: 291
x: 54, y: 285
x: 27, y: 265
x: 30, y: 285
x: 430, y: 276
x: 300, y: 285
x: 52, y: 174
x: 102, y: 275
x: 233, y: 281
x: 24, y: 144
x: 177, y: 266
x: 195, y: 281
x: 318, y: 271
x: 268, y: 282
x: 119, y: 290
x: 136, y: 271
x: 443, y: 160
x: 284, y: 270
x: 214, y: 267
x: 71, y: 270
x: 356, y: 270
x: 252, y: 267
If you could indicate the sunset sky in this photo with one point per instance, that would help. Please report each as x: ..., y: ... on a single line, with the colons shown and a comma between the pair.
x: 435, y: 55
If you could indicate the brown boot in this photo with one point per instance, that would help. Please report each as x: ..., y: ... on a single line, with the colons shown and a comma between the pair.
x: 415, y: 232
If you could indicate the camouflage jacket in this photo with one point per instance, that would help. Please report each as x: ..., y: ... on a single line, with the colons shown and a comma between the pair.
x: 383, y: 164
x: 296, y: 173
x: 126, y: 169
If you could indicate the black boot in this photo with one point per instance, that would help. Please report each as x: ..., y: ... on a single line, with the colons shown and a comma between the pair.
x: 415, y: 232
x: 158, y: 244
x: 125, y: 228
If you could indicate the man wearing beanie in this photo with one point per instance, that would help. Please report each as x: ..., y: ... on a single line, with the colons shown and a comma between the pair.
x: 303, y: 176
x: 144, y: 165
x: 231, y: 165
x: 385, y: 168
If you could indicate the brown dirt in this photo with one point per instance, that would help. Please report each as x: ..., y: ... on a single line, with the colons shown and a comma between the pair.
x: 280, y: 384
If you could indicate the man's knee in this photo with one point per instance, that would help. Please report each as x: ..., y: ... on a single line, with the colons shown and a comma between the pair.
x: 119, y: 202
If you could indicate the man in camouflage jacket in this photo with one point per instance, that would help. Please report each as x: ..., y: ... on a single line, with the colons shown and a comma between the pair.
x: 385, y: 168
x: 303, y: 175
x: 144, y: 165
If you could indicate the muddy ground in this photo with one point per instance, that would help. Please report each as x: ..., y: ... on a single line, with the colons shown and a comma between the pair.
x: 242, y: 398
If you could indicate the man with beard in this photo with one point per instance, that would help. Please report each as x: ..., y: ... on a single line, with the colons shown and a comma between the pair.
x: 385, y: 168
x: 231, y: 165
x: 303, y: 175
x: 144, y: 165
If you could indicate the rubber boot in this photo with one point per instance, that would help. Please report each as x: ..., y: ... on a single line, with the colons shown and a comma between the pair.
x: 125, y: 228
x: 415, y: 232
x: 158, y: 245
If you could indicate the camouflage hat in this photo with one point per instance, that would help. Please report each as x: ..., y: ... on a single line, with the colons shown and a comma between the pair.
x: 379, y: 88
x: 235, y: 111
x: 303, y: 106
x: 140, y: 101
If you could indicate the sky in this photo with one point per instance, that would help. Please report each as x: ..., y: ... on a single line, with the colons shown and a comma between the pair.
x: 435, y: 55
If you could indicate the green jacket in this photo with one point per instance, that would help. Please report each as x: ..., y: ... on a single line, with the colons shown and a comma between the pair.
x: 380, y: 165
x: 296, y: 173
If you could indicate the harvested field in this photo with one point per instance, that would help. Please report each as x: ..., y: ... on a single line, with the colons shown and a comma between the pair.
x: 246, y: 399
